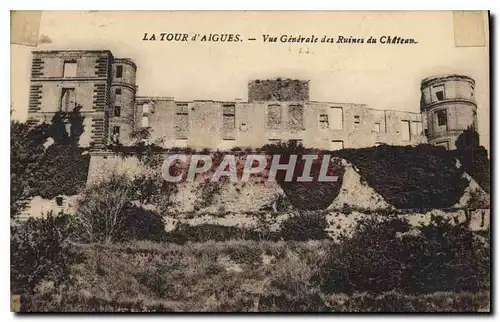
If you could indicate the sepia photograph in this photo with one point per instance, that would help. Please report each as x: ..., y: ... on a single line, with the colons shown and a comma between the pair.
x: 250, y: 161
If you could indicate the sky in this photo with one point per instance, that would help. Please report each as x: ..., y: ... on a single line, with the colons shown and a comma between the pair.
x: 383, y: 76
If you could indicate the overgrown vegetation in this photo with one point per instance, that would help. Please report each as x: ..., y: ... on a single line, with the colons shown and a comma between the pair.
x: 384, y: 266
x: 115, y: 251
x: 314, y: 195
x: 111, y: 210
x: 385, y: 255
x: 46, y: 160
x: 40, y: 250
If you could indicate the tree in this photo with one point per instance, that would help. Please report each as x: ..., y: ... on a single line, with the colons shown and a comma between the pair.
x: 473, y: 157
x: 26, y: 151
x: 46, y: 171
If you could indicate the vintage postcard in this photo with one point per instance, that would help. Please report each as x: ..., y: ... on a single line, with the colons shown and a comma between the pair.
x: 257, y: 161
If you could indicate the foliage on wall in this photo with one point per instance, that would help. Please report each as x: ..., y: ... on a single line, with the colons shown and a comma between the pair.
x: 46, y: 159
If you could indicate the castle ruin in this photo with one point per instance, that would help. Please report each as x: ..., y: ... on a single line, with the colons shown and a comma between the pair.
x: 103, y: 88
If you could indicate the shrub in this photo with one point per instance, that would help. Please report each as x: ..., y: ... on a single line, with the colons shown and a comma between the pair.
x: 304, y: 226
x: 445, y: 257
x: 101, y: 209
x: 148, y: 189
x: 384, y: 255
x: 184, y: 233
x: 61, y: 171
x: 141, y: 224
x: 39, y: 250
x: 106, y: 211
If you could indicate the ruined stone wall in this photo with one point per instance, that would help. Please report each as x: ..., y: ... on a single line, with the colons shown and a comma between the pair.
x: 260, y: 123
x: 90, y: 85
x: 278, y: 90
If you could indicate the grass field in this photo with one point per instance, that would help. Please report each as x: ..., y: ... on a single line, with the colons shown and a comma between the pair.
x: 241, y: 276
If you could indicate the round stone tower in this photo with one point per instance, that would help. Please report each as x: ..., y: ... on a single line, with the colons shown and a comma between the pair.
x: 449, y: 108
x: 123, y: 90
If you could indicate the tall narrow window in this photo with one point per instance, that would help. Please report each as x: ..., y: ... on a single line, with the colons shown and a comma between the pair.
x: 228, y: 122
x: 119, y: 71
x: 69, y: 69
x: 406, y: 130
x: 115, y: 136
x: 416, y: 128
x: 376, y: 127
x: 118, y: 111
x: 336, y: 119
x: 181, y: 121
x: 442, y: 119
x: 296, y: 117
x: 356, y: 121
x: 68, y: 99
x: 274, y: 116
x: 145, y: 121
x: 323, y: 121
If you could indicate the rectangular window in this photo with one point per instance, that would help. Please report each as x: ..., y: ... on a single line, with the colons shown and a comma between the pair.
x: 69, y: 68
x: 118, y: 111
x: 145, y: 121
x: 119, y: 71
x: 116, y: 130
x: 444, y: 144
x: 296, y: 117
x: 406, y: 130
x: 68, y: 99
x: 336, y: 119
x: 356, y: 121
x: 145, y: 108
x: 181, y: 121
x: 118, y: 91
x: 228, y: 122
x: 442, y: 119
x: 437, y: 93
x: 274, y: 116
x: 376, y: 127
x: 416, y: 128
x: 323, y: 121
x: 337, y: 145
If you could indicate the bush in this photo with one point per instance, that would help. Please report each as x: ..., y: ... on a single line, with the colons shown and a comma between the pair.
x: 101, y: 209
x: 184, y: 233
x: 141, y: 224
x: 153, y: 190
x: 62, y: 170
x: 106, y: 213
x: 385, y: 255
x: 305, y: 226
x: 40, y: 250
